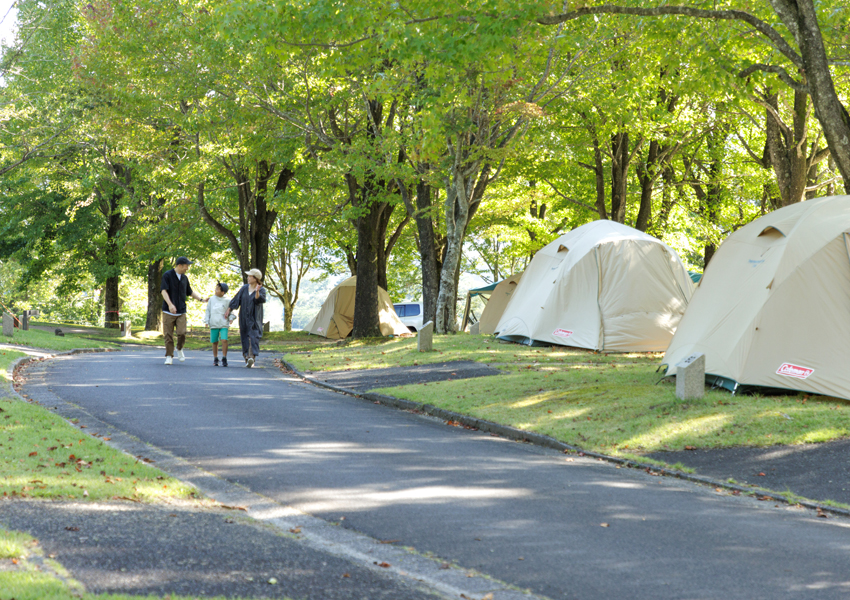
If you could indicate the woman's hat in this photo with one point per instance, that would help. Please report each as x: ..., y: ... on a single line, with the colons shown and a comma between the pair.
x: 255, y: 273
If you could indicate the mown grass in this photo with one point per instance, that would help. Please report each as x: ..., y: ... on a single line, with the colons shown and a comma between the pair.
x: 612, y: 403
x: 37, y: 338
x: 43, y: 456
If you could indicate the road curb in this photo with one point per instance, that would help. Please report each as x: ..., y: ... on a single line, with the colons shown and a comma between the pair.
x: 539, y: 439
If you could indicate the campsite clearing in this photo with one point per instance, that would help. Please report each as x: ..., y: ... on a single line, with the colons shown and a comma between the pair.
x: 611, y: 403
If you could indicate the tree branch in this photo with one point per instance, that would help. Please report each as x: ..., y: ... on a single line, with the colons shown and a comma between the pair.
x: 686, y: 11
x: 568, y: 199
x: 777, y: 70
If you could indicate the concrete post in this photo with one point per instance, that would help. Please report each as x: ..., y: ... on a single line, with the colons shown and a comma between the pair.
x: 425, y: 337
x: 690, y: 377
x: 25, y: 320
x: 8, y: 325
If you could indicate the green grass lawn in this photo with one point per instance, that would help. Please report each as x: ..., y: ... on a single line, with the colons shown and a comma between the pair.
x: 612, y: 403
x: 38, y: 338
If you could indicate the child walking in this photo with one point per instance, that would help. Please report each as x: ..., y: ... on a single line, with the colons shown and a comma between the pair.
x: 218, y: 321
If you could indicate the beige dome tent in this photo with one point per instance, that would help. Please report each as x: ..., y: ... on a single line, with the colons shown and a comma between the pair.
x: 602, y: 286
x: 497, y: 303
x: 773, y: 307
x: 336, y: 317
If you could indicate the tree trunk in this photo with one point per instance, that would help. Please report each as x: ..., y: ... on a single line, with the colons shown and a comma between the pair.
x: 427, y: 245
x: 115, y: 222
x: 111, y: 302
x: 646, y: 176
x: 801, y: 19
x: 154, y: 317
x: 786, y: 148
x: 619, y: 175
x: 366, y: 323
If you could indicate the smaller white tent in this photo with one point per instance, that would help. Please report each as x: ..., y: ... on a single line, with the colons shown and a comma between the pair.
x: 497, y: 303
x: 335, y: 319
x: 602, y: 286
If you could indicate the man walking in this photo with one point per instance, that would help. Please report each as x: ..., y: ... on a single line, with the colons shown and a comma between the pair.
x: 175, y: 290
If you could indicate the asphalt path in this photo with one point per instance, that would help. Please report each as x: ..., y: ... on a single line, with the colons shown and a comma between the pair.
x: 562, y: 527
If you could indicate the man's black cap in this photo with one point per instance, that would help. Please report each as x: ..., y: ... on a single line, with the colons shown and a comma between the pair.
x: 183, y: 261
x: 223, y: 287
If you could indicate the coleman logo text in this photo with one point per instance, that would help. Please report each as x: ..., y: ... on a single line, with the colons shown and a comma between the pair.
x: 562, y: 333
x: 795, y: 371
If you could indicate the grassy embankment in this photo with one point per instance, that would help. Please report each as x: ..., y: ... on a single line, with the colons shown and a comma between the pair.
x: 45, y: 457
x: 610, y: 403
x: 197, y: 338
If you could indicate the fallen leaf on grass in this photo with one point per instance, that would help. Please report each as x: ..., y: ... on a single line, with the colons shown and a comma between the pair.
x: 690, y: 447
x: 295, y: 530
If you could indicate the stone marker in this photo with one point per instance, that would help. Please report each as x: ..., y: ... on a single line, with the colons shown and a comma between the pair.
x: 475, y: 328
x: 425, y: 337
x: 25, y: 320
x: 267, y: 327
x: 690, y: 377
x: 8, y: 325
x: 128, y: 326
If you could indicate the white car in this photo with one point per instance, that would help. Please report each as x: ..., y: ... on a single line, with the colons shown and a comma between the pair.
x: 410, y: 314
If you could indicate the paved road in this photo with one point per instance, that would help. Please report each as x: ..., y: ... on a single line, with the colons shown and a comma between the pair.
x: 519, y: 513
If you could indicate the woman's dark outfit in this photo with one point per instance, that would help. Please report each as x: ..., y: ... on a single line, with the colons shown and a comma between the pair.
x: 250, y: 316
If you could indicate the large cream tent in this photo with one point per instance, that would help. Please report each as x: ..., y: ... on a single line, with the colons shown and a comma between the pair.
x: 603, y: 286
x: 497, y: 303
x: 336, y: 317
x: 773, y: 307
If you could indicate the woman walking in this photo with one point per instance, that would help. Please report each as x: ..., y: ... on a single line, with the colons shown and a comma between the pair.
x: 249, y: 298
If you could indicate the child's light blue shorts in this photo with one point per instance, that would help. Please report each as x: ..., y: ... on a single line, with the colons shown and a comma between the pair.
x: 218, y: 334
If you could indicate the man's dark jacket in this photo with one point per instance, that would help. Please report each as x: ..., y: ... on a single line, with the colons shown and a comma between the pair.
x: 178, y: 290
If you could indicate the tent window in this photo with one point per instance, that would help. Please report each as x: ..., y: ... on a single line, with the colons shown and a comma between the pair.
x: 772, y: 231
x: 563, y: 248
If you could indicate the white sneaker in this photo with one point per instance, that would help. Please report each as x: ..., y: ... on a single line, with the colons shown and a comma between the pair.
x: 180, y: 356
x: 168, y: 360
x: 250, y: 362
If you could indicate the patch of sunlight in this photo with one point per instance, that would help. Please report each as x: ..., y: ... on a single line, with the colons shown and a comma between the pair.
x: 698, y: 425
x: 619, y: 484
x: 824, y: 434
x: 533, y: 400
x: 148, y: 335
x: 360, y: 498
